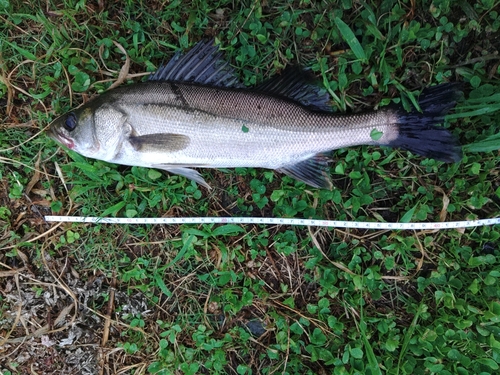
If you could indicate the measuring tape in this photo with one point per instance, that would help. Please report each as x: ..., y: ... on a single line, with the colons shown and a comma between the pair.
x: 273, y: 221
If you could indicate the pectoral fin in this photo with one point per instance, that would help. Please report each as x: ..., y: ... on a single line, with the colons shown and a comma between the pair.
x: 183, y: 171
x: 313, y: 171
x: 159, y: 142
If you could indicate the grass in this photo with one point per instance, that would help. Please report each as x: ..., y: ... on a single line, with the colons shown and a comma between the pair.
x: 249, y: 299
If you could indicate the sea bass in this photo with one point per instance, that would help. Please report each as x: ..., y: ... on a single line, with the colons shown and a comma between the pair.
x: 193, y: 112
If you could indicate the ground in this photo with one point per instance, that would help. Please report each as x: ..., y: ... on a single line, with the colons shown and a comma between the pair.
x: 234, y: 299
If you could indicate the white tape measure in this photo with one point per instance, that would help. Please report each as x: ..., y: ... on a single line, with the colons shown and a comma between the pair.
x: 274, y: 221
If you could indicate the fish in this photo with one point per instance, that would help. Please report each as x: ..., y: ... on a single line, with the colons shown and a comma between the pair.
x: 194, y: 112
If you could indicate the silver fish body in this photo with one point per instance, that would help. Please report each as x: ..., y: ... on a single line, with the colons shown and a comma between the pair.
x: 179, y: 124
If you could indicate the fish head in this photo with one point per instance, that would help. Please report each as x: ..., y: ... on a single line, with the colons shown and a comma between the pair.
x: 95, y: 130
x: 76, y: 131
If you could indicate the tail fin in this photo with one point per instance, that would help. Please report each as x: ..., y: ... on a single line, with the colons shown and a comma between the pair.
x: 418, y: 131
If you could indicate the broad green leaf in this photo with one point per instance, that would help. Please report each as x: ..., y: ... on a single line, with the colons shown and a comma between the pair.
x: 4, y: 4
x: 318, y: 337
x: 197, y: 232
x: 86, y: 167
x: 161, y: 284
x: 130, y: 213
x: 376, y: 134
x: 182, y: 251
x: 376, y: 32
x: 409, y: 94
x: 356, y: 353
x: 227, y: 230
x: 408, y: 216
x: 154, y: 174
x: 113, y: 210
x: 351, y: 39
x: 25, y: 53
x: 488, y: 362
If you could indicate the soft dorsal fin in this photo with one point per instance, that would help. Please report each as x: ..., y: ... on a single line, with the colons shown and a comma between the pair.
x: 203, y: 64
x: 299, y: 85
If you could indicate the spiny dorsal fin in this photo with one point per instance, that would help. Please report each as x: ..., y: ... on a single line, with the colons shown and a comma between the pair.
x: 203, y: 64
x: 299, y: 85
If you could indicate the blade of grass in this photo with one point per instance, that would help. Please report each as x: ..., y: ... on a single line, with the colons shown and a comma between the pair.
x: 372, y: 359
x: 477, y: 112
x: 27, y: 54
x: 491, y: 98
x: 408, y: 215
x: 351, y: 39
x: 161, y: 284
x: 409, y: 334
x: 113, y: 210
x: 181, y: 253
x: 491, y: 143
x: 227, y: 230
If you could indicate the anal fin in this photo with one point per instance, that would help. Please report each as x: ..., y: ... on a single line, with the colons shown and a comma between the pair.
x: 312, y: 171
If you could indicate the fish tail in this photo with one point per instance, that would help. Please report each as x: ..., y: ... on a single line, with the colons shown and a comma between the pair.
x: 418, y: 131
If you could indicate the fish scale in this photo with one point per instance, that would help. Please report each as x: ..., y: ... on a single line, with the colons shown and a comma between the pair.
x: 194, y: 113
x: 224, y: 134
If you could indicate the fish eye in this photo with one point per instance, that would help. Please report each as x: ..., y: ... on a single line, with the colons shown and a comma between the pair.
x: 70, y: 122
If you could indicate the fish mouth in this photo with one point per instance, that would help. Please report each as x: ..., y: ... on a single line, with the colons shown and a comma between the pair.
x: 54, y: 134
